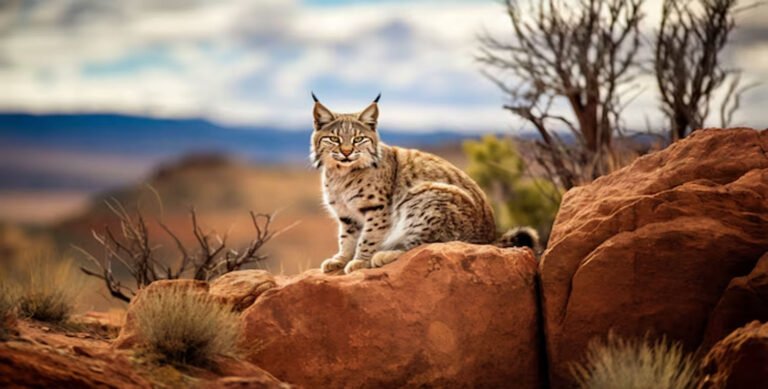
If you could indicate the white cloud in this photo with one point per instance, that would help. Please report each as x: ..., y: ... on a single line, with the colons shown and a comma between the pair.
x: 247, y: 62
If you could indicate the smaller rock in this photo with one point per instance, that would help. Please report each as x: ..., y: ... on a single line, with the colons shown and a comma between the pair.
x: 8, y: 331
x: 241, y: 288
x: 81, y: 351
x: 246, y: 382
x: 111, y: 320
x: 237, y: 373
x: 744, y: 300
x: 9, y: 324
x: 28, y: 365
x: 738, y: 361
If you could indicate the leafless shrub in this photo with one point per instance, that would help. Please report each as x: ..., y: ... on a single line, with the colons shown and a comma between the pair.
x: 688, y: 66
x: 134, y: 250
x: 583, y: 55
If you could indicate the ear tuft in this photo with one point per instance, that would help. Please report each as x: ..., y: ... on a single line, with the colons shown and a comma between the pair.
x: 314, y: 97
x: 376, y: 100
x: 322, y: 115
x: 370, y: 115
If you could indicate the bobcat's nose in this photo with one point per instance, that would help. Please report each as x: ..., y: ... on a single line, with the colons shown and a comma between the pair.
x: 346, y: 151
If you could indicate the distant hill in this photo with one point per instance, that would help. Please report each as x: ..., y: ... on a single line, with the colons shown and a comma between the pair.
x: 77, y: 151
x: 222, y: 191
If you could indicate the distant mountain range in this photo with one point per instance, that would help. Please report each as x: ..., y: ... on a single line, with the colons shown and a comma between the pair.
x: 134, y: 135
x: 95, y: 151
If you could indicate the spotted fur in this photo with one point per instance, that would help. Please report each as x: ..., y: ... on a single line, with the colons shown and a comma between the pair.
x: 389, y: 199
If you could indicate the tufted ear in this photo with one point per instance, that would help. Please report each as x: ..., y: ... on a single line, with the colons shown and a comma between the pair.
x: 321, y: 114
x: 370, y: 114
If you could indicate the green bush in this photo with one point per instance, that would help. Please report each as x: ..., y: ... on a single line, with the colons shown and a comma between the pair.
x: 636, y: 364
x: 517, y: 198
x: 184, y: 327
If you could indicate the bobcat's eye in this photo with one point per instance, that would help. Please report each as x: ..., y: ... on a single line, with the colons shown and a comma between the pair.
x: 334, y: 139
x: 359, y: 139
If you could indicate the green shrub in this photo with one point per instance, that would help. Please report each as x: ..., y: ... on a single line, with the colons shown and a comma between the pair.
x: 636, y: 364
x: 184, y: 327
x: 517, y: 198
x: 48, y: 289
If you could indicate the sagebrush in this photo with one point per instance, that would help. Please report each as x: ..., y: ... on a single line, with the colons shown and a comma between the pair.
x: 184, y: 327
x: 636, y: 364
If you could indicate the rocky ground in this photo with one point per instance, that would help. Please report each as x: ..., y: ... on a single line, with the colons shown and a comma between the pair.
x: 82, y: 355
x: 673, y: 245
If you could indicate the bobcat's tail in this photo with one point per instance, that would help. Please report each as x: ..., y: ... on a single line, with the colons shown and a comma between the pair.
x: 519, y: 237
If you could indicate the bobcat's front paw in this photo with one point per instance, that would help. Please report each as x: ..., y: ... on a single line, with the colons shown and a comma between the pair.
x: 382, y: 258
x: 356, y: 264
x: 331, y: 265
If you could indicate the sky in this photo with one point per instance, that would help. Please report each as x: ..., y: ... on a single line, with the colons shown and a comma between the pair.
x: 253, y: 63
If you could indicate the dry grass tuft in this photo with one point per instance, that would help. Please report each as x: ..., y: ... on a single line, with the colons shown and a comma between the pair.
x: 184, y: 327
x: 636, y: 364
x: 48, y: 289
x: 8, y: 302
x: 50, y: 306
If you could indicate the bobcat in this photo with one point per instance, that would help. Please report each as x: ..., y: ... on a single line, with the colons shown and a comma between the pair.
x: 389, y: 199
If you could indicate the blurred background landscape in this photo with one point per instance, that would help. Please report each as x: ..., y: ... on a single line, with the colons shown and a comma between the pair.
x: 169, y: 105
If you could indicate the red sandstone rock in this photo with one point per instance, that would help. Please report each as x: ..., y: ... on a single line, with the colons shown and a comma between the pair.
x: 48, y: 357
x: 42, y: 357
x: 245, y: 383
x: 241, y: 288
x: 23, y: 367
x: 738, y: 361
x: 652, y: 246
x: 745, y: 300
x: 452, y: 315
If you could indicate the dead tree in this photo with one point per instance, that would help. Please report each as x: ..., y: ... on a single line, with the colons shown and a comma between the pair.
x: 133, y: 250
x: 687, y: 63
x: 581, y: 56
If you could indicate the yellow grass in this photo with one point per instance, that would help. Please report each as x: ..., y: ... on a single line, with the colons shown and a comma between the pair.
x: 186, y: 328
x: 636, y: 364
x: 48, y: 288
x: 7, y: 308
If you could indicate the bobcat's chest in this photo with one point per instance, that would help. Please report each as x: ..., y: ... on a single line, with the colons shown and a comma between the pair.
x: 344, y: 196
x: 336, y: 203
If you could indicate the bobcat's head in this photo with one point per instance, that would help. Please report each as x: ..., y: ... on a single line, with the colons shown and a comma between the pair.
x: 345, y: 140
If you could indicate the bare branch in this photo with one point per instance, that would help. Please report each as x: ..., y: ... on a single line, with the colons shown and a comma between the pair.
x: 116, y: 289
x: 732, y: 101
x: 138, y: 257
x: 687, y: 63
x: 580, y: 56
